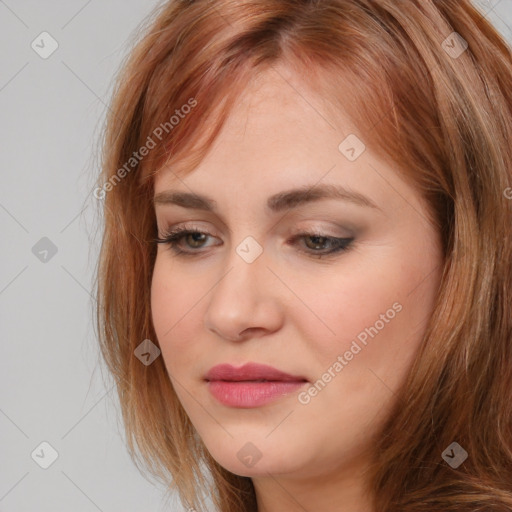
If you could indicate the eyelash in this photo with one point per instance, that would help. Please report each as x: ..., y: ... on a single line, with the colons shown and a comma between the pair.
x: 173, y: 237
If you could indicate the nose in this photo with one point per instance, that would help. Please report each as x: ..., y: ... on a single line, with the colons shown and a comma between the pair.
x: 244, y: 303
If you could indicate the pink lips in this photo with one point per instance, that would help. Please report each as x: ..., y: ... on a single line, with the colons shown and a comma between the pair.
x: 250, y: 385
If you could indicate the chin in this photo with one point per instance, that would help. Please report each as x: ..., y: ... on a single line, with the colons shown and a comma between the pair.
x: 261, y: 468
x: 256, y: 459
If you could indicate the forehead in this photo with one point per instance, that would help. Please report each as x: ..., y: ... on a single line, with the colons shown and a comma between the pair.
x: 277, y: 118
x: 281, y: 134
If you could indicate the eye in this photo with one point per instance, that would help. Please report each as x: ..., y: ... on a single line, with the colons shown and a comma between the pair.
x: 194, y: 238
x: 317, y: 245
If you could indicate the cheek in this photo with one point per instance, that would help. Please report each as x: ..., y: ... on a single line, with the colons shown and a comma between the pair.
x: 376, y: 311
x: 376, y: 315
x: 174, y: 307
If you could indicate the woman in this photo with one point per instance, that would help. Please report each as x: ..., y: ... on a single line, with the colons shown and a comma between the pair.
x: 304, y: 291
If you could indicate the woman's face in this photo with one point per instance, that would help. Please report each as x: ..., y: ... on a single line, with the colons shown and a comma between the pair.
x: 253, y: 289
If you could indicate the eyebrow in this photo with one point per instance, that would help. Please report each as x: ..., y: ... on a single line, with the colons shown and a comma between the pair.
x: 285, y: 200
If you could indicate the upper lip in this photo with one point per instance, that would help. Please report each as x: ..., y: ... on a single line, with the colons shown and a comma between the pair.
x: 250, y: 372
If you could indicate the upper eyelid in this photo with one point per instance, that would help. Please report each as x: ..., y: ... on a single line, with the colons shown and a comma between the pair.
x: 295, y: 211
x: 180, y: 231
x: 346, y: 227
x: 192, y: 228
x: 187, y: 227
x: 191, y: 225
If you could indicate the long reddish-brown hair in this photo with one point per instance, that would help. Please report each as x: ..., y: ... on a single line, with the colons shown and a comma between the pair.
x: 442, y: 115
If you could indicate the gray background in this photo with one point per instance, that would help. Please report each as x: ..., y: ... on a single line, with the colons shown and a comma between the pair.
x: 51, y: 386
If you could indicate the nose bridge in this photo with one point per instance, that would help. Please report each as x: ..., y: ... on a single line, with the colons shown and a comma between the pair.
x: 243, y: 297
x: 244, y: 273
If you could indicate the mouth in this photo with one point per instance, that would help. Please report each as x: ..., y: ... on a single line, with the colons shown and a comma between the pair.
x: 251, y: 385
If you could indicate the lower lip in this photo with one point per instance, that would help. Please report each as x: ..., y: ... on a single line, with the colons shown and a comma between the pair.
x: 251, y: 394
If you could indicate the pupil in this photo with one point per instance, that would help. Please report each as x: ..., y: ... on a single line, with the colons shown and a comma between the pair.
x: 315, y: 239
x: 195, y: 235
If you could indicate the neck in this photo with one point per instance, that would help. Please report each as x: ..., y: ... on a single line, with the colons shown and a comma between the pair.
x: 343, y: 491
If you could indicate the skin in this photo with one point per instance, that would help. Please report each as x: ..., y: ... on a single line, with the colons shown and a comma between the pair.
x: 287, y: 308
